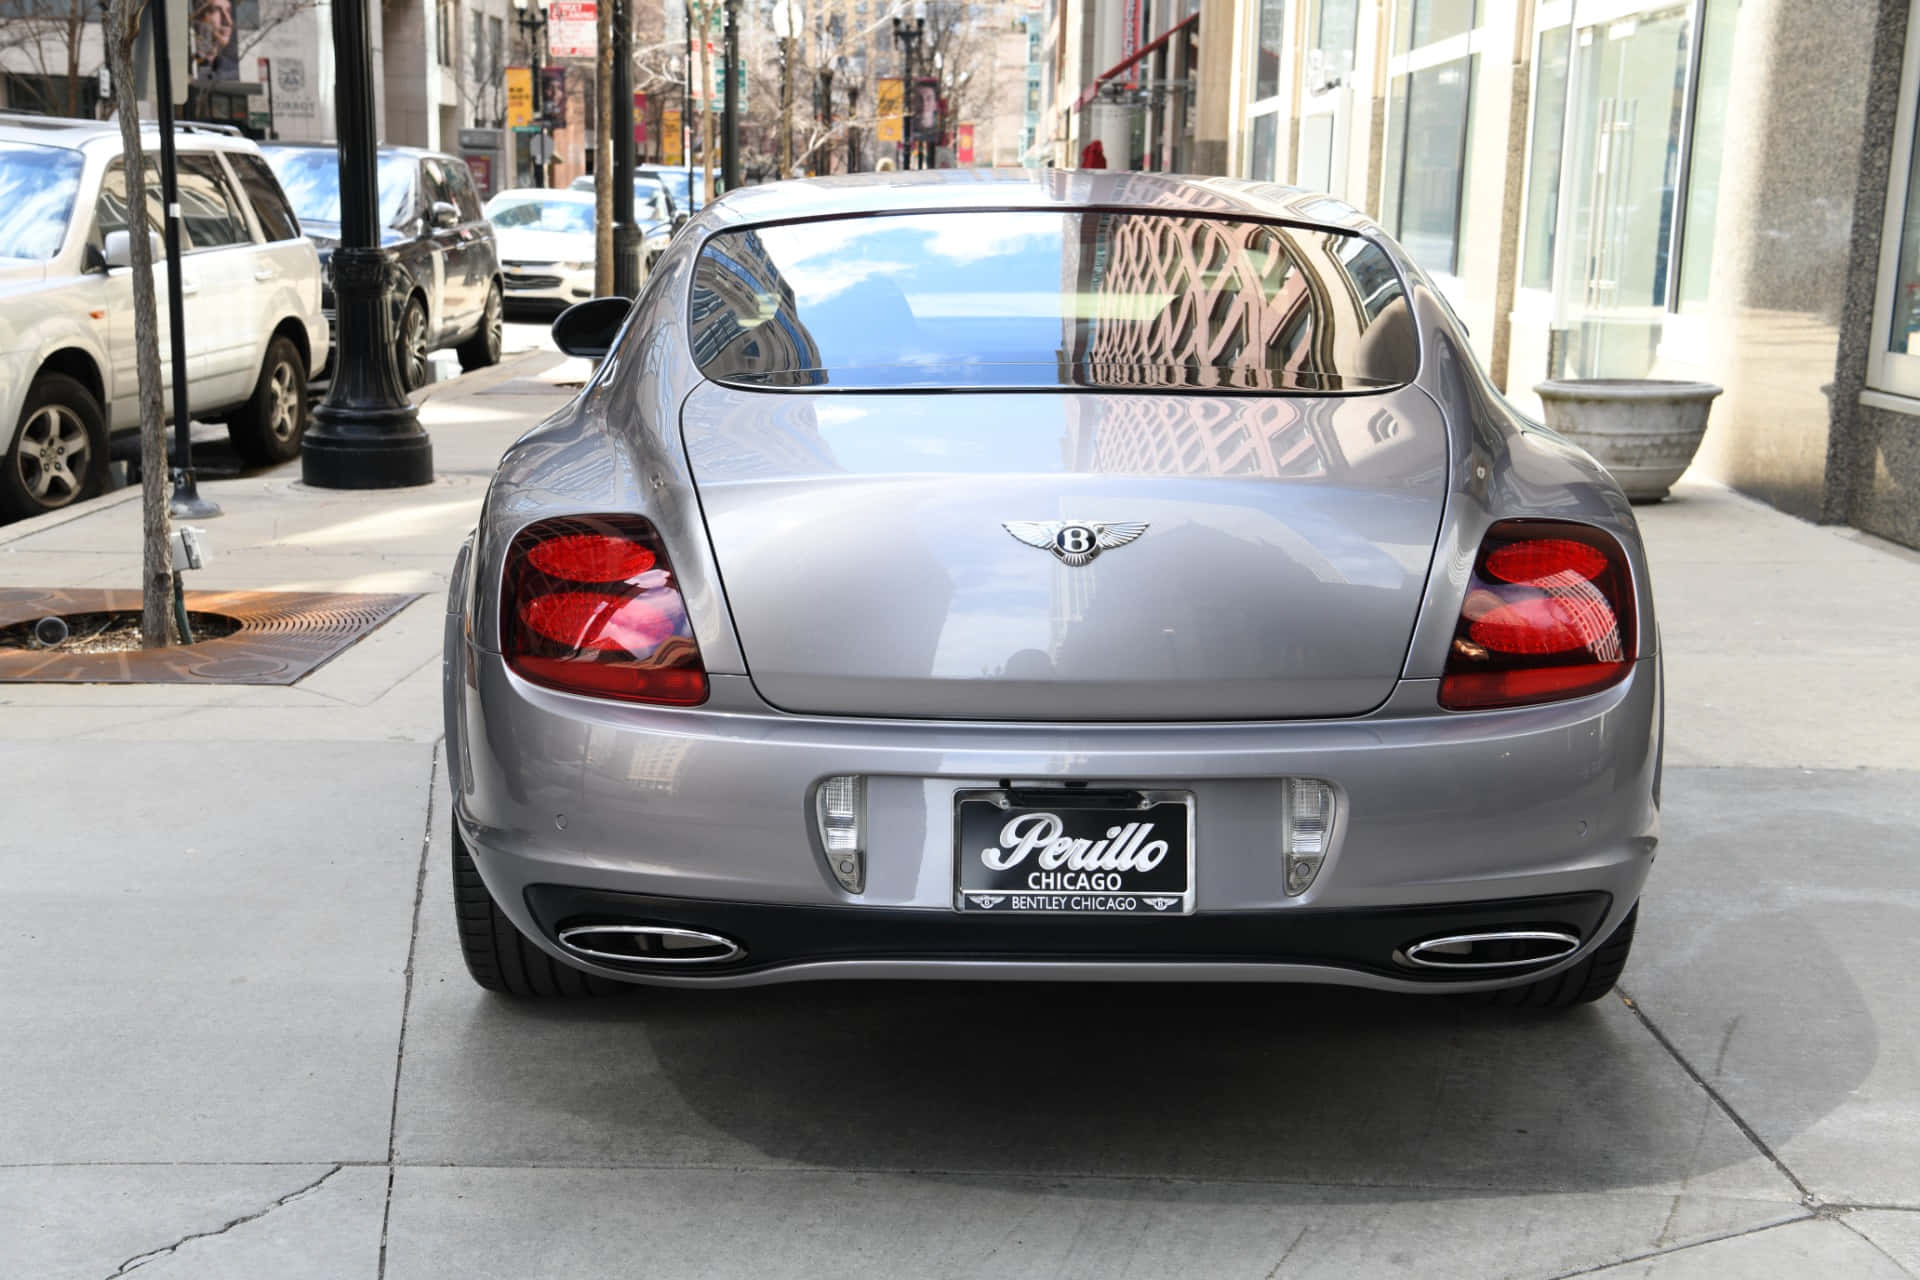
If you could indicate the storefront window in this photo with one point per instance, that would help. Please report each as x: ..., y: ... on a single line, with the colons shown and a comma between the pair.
x: 1335, y: 31
x: 1266, y: 71
x: 1266, y: 131
x: 1893, y: 360
x: 1427, y: 162
x: 1620, y: 179
x: 1704, y: 153
x: 1543, y: 165
x: 1421, y: 22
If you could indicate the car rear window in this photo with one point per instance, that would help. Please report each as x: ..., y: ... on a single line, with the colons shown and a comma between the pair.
x: 1047, y: 298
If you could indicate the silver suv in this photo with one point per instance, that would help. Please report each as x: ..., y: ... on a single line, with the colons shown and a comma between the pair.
x: 251, y: 281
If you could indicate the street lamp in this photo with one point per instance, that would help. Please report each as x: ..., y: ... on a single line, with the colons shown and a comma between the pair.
x: 365, y: 434
x: 908, y: 36
x: 532, y: 21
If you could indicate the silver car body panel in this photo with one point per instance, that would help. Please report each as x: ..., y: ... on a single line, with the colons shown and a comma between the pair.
x: 715, y: 802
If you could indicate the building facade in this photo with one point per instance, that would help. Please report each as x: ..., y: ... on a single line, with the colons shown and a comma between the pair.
x: 1716, y: 189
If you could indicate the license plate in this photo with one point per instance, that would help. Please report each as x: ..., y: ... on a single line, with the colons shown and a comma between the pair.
x: 1128, y: 853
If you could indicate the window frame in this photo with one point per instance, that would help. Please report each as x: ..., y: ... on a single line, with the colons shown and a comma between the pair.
x: 1894, y: 372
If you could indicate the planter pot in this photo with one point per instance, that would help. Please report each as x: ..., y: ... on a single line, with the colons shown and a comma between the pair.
x: 1642, y: 431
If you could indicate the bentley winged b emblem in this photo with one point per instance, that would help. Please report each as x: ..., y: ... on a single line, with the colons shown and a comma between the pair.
x: 1075, y: 542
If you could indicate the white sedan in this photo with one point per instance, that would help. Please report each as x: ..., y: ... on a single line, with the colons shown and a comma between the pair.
x: 546, y: 245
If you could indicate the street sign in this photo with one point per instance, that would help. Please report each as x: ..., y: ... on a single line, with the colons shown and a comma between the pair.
x: 519, y: 97
x: 571, y: 29
x: 890, y: 107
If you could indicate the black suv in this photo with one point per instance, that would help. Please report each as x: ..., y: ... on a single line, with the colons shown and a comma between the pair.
x: 446, y: 291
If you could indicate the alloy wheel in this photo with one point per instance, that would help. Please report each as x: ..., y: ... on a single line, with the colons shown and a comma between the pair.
x: 52, y: 455
x: 413, y: 345
x: 284, y: 395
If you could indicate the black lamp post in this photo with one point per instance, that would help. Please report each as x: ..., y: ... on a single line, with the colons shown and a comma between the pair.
x: 532, y: 21
x: 365, y: 435
x: 908, y: 36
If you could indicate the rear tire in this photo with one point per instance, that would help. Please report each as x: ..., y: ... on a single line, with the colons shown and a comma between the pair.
x: 267, y: 429
x: 498, y: 955
x: 1584, y: 983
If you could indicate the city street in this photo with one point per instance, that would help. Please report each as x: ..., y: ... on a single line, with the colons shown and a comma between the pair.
x: 241, y: 1043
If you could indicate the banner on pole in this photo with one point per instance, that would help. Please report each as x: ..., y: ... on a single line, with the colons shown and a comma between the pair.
x: 519, y: 97
x: 670, y: 139
x: 963, y: 144
x: 639, y: 119
x: 890, y: 106
x: 571, y: 29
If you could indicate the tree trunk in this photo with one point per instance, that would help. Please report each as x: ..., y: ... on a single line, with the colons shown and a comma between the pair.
x: 156, y: 576
x: 603, y: 152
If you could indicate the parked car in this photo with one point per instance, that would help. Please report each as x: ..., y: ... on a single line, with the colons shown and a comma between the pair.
x: 447, y: 292
x: 684, y: 187
x: 982, y: 576
x: 546, y: 245
x: 654, y: 212
x: 254, y: 324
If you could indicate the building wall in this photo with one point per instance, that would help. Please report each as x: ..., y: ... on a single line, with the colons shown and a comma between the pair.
x: 1783, y: 233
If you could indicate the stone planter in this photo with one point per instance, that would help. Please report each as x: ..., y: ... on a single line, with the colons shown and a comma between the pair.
x: 1642, y: 431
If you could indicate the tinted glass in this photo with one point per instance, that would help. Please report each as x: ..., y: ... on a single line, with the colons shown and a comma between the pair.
x: 460, y: 182
x: 311, y: 178
x: 1048, y: 299
x: 263, y: 193
x: 110, y: 209
x: 38, y: 186
x: 209, y: 211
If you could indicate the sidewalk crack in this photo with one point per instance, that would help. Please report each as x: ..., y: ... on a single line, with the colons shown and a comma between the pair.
x: 142, y: 1259
x: 1807, y: 1197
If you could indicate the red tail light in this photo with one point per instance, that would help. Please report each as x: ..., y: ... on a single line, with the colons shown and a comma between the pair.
x: 589, y: 605
x: 1548, y: 615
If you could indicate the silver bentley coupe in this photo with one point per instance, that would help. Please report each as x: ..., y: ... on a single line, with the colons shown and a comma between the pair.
x: 1047, y: 575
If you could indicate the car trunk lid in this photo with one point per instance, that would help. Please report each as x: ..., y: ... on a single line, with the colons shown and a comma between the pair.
x: 872, y: 555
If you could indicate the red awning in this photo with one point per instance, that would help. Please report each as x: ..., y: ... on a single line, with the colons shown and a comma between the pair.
x: 1120, y: 68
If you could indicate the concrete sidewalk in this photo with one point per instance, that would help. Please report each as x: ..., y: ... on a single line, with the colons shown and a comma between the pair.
x: 239, y: 1041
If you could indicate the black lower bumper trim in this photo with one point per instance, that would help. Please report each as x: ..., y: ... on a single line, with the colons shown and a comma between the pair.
x: 776, y: 936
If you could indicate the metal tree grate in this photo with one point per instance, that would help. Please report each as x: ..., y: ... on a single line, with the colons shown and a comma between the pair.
x: 283, y: 636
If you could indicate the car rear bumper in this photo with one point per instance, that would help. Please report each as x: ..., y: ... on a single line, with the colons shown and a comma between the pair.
x: 577, y: 809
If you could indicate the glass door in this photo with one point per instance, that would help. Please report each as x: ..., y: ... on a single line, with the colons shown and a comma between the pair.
x: 1618, y: 190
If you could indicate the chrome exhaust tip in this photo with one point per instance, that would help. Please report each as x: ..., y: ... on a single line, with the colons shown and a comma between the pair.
x: 648, y: 944
x: 1510, y: 949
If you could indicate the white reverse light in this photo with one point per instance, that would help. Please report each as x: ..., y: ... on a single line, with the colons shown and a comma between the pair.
x: 1309, y: 828
x: 840, y: 808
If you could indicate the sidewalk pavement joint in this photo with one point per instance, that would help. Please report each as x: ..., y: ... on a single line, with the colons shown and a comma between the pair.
x: 1807, y: 1197
x: 1688, y: 1247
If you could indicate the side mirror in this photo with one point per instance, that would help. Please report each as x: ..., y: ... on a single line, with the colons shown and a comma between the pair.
x: 680, y: 219
x: 92, y: 259
x: 589, y: 328
x: 118, y: 250
x: 442, y: 216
